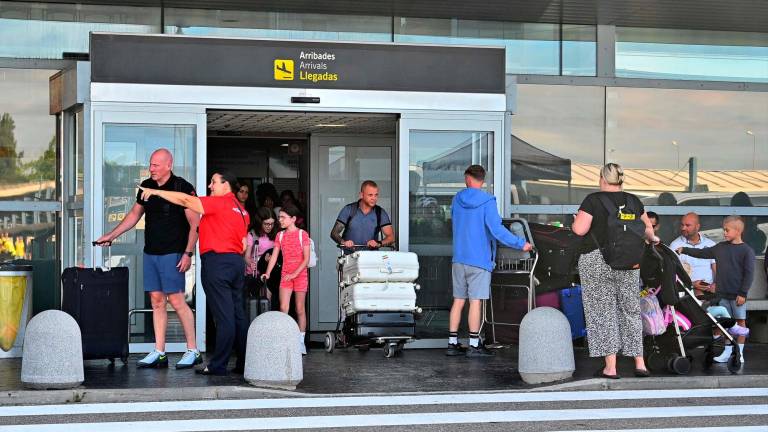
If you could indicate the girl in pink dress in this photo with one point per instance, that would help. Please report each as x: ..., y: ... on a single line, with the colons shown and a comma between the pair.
x: 294, y: 244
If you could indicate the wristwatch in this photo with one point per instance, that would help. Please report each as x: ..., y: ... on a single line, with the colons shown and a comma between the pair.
x: 190, y: 254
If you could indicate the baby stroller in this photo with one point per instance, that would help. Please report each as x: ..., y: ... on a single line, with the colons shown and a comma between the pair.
x: 377, y: 300
x: 661, y: 267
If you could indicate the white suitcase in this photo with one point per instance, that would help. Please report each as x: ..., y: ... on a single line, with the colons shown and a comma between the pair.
x: 379, y: 266
x: 378, y: 296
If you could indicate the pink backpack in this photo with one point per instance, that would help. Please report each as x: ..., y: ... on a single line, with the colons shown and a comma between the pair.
x: 652, y: 315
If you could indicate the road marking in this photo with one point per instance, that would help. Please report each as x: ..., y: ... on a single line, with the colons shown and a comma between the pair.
x: 696, y: 429
x: 365, y: 401
x: 404, y: 419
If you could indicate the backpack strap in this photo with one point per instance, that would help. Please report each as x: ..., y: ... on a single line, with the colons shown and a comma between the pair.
x: 609, y: 206
x: 377, y: 231
x: 353, y: 209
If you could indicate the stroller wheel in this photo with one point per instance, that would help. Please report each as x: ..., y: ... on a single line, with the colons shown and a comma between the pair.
x: 390, y: 349
x: 734, y: 362
x: 680, y: 365
x: 330, y: 342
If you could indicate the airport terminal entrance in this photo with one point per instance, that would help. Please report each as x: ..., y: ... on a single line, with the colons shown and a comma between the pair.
x: 250, y: 108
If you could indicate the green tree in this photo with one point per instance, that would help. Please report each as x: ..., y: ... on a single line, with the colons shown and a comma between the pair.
x: 10, y: 159
x: 44, y: 167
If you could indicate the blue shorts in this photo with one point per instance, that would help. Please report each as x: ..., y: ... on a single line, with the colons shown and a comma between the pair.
x: 737, y: 312
x: 161, y: 274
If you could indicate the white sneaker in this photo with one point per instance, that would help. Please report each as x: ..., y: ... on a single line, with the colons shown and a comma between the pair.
x: 723, y: 358
x: 302, y: 348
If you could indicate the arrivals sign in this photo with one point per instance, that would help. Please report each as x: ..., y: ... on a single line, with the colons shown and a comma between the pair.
x: 182, y: 60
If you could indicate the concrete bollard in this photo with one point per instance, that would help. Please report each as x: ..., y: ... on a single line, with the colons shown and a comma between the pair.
x: 546, y: 348
x: 272, y: 356
x: 52, y: 356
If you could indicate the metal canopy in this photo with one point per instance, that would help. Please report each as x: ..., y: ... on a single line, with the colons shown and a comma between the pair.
x: 731, y: 15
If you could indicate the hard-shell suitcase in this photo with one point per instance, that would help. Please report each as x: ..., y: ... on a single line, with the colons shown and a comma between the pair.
x: 573, y: 308
x: 379, y: 266
x: 382, y: 324
x: 259, y: 304
x: 379, y: 296
x: 98, y: 300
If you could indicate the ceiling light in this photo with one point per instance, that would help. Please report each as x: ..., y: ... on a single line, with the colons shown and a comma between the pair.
x: 330, y: 125
x: 284, y: 145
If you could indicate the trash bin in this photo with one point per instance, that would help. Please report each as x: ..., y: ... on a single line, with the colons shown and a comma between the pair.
x: 15, y: 307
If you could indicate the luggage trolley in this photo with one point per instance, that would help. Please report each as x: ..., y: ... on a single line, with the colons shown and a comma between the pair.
x: 346, y: 333
x: 514, y: 269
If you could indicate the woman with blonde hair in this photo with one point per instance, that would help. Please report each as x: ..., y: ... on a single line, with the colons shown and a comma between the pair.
x: 611, y: 296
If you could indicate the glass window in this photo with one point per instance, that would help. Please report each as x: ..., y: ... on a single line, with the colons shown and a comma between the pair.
x: 46, y: 30
x: 30, y: 236
x: 579, y: 50
x: 532, y: 48
x: 691, y: 54
x: 557, y: 143
x: 278, y: 25
x: 127, y: 148
x: 690, y: 147
x: 27, y: 136
x: 436, y: 170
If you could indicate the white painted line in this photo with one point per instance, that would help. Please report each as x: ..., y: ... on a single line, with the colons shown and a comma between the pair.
x: 696, y: 429
x: 339, y: 421
x: 365, y: 401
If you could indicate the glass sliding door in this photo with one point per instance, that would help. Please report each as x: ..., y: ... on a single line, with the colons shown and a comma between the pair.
x: 339, y: 165
x: 126, y: 142
x: 436, y: 153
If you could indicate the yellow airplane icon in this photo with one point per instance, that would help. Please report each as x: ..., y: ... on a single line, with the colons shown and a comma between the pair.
x: 283, y: 70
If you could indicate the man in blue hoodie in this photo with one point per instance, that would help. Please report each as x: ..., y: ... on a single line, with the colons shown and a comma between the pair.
x: 476, y: 229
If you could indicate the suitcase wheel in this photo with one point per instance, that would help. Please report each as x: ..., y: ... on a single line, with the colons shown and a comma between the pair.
x: 124, y: 355
x: 330, y: 342
x: 391, y: 349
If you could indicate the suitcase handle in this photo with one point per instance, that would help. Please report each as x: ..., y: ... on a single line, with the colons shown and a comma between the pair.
x: 106, y: 267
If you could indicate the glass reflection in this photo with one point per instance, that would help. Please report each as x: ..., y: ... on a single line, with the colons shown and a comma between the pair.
x: 277, y: 25
x: 672, y: 144
x: 557, y: 141
x: 27, y: 136
x: 436, y: 172
x: 532, y: 48
x: 691, y: 54
x: 46, y: 30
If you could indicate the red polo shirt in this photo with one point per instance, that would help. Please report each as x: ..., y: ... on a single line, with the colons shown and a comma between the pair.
x: 224, y: 224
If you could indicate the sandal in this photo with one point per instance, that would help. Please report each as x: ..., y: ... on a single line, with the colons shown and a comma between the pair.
x: 600, y: 374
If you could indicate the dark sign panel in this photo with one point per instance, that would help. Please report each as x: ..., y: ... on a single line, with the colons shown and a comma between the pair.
x: 145, y: 59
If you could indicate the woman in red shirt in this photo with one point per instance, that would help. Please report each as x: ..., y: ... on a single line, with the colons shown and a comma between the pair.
x: 223, y: 229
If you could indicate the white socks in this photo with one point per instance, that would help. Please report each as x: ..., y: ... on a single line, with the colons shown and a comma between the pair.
x: 723, y: 358
x: 741, y: 351
x: 302, y: 347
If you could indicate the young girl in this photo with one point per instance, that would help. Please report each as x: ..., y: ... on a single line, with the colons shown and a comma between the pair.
x: 261, y: 238
x: 294, y: 278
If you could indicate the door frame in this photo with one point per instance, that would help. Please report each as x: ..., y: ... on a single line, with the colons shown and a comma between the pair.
x: 102, y: 114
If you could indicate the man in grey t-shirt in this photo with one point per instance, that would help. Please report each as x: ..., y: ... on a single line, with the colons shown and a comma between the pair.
x: 363, y: 222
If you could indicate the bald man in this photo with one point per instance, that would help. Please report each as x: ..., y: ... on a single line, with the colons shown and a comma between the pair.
x: 702, y: 270
x: 170, y: 234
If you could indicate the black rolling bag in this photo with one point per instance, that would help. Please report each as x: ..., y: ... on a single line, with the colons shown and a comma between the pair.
x: 98, y: 300
x: 371, y: 325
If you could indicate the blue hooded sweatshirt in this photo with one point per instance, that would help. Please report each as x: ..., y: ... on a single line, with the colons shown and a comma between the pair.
x: 476, y: 229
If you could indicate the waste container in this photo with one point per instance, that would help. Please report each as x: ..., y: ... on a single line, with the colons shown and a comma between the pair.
x: 15, y: 307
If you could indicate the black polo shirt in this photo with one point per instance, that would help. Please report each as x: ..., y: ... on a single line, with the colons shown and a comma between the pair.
x: 166, y: 229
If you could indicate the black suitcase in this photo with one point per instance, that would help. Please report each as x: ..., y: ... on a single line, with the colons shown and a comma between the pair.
x: 558, y: 256
x: 370, y: 325
x: 259, y: 304
x: 98, y: 300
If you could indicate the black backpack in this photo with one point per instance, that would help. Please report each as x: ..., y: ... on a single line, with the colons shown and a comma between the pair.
x: 625, y: 231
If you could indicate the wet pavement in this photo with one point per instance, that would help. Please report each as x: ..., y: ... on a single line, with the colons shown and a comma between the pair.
x: 351, y: 371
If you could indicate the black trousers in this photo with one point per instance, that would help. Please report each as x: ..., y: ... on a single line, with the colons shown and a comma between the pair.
x: 223, y: 276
